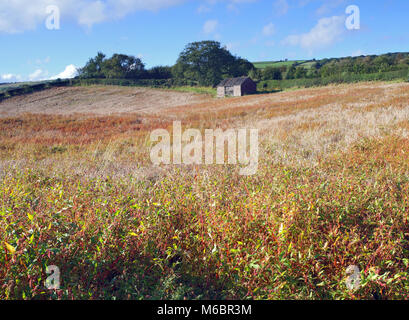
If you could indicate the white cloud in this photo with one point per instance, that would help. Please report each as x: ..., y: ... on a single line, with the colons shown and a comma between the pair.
x: 92, y: 14
x: 210, y: 26
x: 269, y: 29
x: 38, y: 75
x: 18, y: 16
x: 325, y: 33
x: 69, y: 72
x: 21, y: 15
x: 9, y: 77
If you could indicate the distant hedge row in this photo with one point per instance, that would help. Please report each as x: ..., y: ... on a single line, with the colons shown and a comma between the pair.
x: 270, y: 85
x: 31, y: 88
x: 153, y: 83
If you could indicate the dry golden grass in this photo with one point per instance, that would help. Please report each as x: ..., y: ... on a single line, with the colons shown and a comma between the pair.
x: 301, y: 126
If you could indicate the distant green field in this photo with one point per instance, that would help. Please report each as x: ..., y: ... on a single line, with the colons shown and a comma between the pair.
x: 277, y: 64
x: 7, y: 86
x: 8, y: 90
x: 307, y: 64
x: 279, y: 85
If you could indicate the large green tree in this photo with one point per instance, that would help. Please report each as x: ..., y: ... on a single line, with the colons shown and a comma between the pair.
x: 93, y: 68
x: 119, y: 66
x: 207, y: 63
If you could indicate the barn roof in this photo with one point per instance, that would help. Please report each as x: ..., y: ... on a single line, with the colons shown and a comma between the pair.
x: 231, y: 82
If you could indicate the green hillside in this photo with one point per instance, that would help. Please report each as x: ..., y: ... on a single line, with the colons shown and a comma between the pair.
x: 276, y: 64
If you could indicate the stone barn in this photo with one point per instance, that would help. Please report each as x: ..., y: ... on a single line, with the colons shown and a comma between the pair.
x: 236, y: 87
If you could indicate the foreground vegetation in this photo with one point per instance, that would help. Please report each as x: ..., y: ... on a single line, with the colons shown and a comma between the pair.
x: 332, y: 190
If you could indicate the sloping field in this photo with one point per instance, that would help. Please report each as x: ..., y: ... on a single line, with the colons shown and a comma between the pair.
x: 78, y: 190
x: 276, y: 64
x: 97, y: 100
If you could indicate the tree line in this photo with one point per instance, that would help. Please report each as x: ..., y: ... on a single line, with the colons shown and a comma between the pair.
x: 206, y: 63
x: 362, y: 65
x: 121, y: 66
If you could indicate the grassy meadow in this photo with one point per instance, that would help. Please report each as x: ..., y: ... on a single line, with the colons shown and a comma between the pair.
x: 276, y: 64
x: 78, y: 190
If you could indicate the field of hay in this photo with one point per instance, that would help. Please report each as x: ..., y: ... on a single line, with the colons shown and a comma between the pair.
x: 78, y: 190
x: 97, y: 100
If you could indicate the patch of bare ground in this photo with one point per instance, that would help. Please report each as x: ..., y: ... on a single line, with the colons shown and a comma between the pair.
x: 98, y: 100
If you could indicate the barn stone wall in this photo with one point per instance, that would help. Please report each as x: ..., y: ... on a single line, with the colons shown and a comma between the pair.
x: 220, y: 92
x: 237, y: 91
x: 236, y: 87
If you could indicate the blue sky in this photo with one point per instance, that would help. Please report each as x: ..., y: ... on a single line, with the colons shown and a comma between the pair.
x: 158, y: 30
